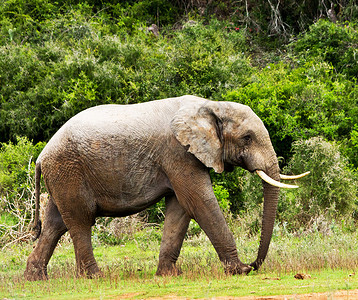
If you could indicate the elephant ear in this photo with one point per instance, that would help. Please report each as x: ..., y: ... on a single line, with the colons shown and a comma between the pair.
x: 200, y: 128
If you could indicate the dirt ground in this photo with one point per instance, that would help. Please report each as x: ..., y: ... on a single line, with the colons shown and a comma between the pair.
x: 337, y: 295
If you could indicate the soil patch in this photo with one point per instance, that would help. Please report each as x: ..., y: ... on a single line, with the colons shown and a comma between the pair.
x: 337, y: 295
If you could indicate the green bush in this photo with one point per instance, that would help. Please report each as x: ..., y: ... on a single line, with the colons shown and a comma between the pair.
x: 17, y: 188
x: 20, y: 20
x: 222, y: 195
x: 335, y: 43
x: 232, y: 184
x: 159, y: 12
x: 331, y: 190
x: 300, y: 101
x: 329, y: 193
x: 77, y: 66
x: 16, y: 165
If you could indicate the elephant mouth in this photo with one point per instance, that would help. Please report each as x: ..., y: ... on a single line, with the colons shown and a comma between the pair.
x: 276, y: 183
x: 228, y: 167
x: 241, y: 162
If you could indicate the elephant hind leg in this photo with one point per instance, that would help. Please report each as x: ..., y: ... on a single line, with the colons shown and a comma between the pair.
x: 53, y: 229
x: 85, y: 261
x: 175, y: 226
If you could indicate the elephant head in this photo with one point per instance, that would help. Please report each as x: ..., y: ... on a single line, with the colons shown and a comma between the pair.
x: 225, y: 134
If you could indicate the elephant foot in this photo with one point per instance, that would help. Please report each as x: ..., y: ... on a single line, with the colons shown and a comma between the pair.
x: 35, y: 273
x: 91, y: 271
x: 256, y: 264
x: 238, y: 269
x: 98, y: 274
x: 168, y: 270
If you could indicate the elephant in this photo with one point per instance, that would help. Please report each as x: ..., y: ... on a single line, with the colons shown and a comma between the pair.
x: 116, y: 160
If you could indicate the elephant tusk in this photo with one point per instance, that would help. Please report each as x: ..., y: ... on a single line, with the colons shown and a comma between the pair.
x: 273, y: 182
x: 291, y: 177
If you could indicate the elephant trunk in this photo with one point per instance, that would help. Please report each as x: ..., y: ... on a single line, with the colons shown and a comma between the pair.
x: 271, y: 194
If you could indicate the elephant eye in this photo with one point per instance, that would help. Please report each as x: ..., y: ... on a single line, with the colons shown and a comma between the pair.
x: 247, y: 137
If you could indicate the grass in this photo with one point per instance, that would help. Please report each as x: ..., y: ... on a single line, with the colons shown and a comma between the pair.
x: 129, y: 270
x: 206, y: 287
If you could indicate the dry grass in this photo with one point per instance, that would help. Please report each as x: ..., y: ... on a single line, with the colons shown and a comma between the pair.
x: 130, y: 269
x: 20, y: 212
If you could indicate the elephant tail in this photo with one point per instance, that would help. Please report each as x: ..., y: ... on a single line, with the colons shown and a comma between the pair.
x: 36, y: 225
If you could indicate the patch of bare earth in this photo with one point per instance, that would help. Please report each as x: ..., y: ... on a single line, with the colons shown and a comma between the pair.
x: 337, y: 295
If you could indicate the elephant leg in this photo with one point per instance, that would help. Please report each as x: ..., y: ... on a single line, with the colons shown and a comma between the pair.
x: 196, y: 196
x: 85, y: 261
x: 78, y: 211
x: 175, y: 226
x: 52, y: 230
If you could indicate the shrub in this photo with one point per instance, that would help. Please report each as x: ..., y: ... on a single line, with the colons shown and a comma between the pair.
x: 79, y: 64
x: 16, y: 165
x: 222, y: 195
x: 299, y: 101
x: 81, y: 95
x: 116, y: 231
x: 329, y: 193
x: 331, y: 190
x: 335, y: 43
x: 159, y: 12
x: 17, y: 189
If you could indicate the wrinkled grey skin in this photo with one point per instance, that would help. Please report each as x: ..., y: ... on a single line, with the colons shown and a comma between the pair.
x: 117, y: 160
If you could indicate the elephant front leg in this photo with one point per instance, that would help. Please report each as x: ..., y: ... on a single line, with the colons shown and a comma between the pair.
x: 196, y: 196
x: 175, y: 226
x: 212, y: 221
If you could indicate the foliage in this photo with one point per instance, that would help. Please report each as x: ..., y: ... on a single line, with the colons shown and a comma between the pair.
x: 274, y: 19
x: 234, y: 184
x: 16, y: 161
x: 336, y: 44
x: 159, y: 12
x: 77, y: 66
x: 222, y: 195
x: 300, y: 102
x: 58, y: 58
x: 330, y: 190
x: 17, y: 189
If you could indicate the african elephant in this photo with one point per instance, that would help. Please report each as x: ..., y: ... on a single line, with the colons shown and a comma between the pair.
x: 117, y: 160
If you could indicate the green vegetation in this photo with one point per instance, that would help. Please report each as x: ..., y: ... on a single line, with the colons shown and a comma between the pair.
x: 129, y: 269
x: 292, y: 63
x: 16, y: 164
